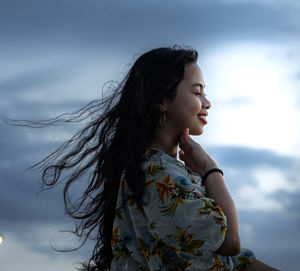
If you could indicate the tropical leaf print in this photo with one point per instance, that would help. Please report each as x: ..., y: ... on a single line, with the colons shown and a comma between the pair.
x: 164, y: 188
x: 118, y: 213
x: 149, y: 182
x: 185, y: 240
x: 138, y: 206
x: 220, y: 221
x: 209, y: 208
x: 223, y: 230
x: 157, y: 246
x: 171, y: 260
x: 188, y: 171
x: 176, y: 192
x: 121, y: 251
x: 152, y: 226
x: 243, y: 262
x: 218, y: 265
x: 115, y: 236
x: 183, y: 192
x: 217, y: 209
x: 196, y: 195
x: 150, y: 152
x: 152, y: 169
x: 170, y: 209
x: 143, y: 248
x: 117, y: 243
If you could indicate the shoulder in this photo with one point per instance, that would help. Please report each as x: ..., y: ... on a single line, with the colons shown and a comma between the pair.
x: 156, y: 161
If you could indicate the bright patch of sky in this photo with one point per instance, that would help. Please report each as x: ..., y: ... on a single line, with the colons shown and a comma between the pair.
x: 258, y: 196
x: 253, y: 90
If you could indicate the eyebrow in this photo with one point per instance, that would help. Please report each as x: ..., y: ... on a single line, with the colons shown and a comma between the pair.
x: 198, y: 85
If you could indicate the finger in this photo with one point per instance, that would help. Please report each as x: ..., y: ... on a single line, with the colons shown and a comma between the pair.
x: 181, y: 155
x: 185, y: 142
x: 182, y: 144
x: 186, y: 134
x: 181, y: 140
x: 183, y: 135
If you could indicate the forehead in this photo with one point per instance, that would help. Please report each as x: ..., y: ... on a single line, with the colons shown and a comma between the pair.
x: 193, y: 73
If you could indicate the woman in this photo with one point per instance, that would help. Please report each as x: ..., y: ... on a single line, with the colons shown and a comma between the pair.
x: 146, y: 209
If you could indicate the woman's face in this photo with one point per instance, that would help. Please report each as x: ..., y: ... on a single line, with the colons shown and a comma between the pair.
x: 190, y: 101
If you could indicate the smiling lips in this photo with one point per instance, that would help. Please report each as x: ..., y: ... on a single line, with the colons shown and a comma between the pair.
x: 202, y: 117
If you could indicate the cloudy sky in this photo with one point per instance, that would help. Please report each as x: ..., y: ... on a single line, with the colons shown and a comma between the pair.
x: 55, y: 57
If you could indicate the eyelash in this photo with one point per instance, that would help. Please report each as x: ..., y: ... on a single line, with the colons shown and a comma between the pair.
x: 200, y: 94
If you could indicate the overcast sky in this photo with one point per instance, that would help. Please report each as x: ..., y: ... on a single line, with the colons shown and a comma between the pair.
x: 55, y: 56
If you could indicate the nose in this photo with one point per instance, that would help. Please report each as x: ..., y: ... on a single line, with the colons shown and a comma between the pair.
x: 206, y: 103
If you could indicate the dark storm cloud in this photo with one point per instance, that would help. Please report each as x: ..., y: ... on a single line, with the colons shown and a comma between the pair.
x: 18, y: 195
x: 21, y: 198
x: 251, y: 158
x: 20, y: 201
x: 274, y: 236
x: 19, y: 91
x: 33, y: 109
x: 39, y: 77
x: 45, y: 30
x: 123, y: 23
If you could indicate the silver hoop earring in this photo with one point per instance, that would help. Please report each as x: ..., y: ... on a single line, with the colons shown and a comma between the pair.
x: 162, y: 120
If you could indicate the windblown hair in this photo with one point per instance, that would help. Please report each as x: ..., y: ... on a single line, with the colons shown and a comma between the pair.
x: 114, y: 142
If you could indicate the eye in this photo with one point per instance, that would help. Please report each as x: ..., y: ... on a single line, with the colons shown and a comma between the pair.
x: 200, y: 94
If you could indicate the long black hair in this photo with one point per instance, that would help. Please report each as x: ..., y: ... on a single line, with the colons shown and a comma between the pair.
x: 114, y: 141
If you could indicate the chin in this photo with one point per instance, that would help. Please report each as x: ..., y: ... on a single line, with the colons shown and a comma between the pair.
x: 196, y: 131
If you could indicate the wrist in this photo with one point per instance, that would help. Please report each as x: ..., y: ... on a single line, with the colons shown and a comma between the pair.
x: 209, y: 167
x: 209, y: 172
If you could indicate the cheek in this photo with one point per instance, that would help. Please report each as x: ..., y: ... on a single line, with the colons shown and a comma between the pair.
x: 179, y: 111
x: 186, y: 108
x: 195, y: 105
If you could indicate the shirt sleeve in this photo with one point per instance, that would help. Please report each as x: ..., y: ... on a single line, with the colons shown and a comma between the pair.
x: 243, y: 260
x: 180, y: 215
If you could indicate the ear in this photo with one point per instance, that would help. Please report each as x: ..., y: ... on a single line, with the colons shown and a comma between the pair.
x: 161, y: 106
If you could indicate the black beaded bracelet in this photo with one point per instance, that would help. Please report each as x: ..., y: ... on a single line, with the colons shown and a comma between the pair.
x: 209, y: 172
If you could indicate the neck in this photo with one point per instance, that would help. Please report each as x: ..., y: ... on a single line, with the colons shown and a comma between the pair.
x: 166, y: 141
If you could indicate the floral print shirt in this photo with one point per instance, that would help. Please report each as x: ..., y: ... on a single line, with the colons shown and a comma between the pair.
x: 177, y: 227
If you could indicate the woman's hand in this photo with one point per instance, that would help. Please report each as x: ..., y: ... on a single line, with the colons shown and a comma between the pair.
x: 199, y: 161
x: 193, y: 155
